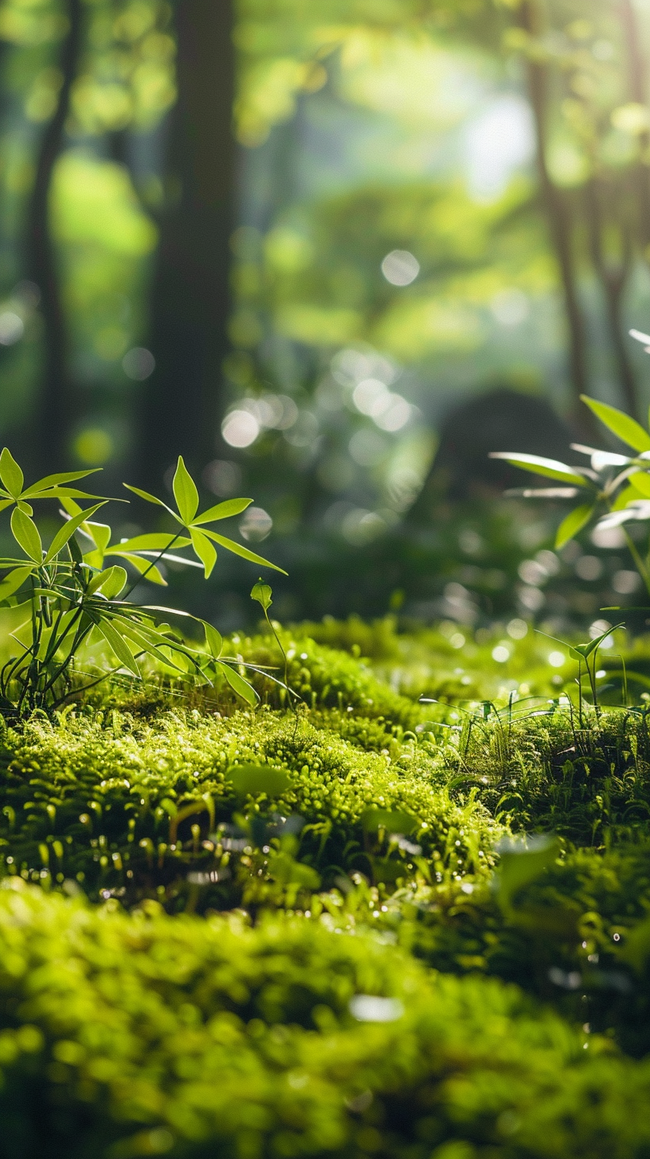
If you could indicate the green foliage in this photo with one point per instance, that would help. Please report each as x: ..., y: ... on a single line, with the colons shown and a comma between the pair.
x: 285, y: 1039
x: 70, y: 596
x: 619, y: 485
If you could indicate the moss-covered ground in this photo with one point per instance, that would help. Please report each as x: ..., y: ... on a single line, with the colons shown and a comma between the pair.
x: 407, y: 915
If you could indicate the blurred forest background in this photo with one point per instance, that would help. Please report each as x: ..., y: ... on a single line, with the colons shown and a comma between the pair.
x: 333, y: 253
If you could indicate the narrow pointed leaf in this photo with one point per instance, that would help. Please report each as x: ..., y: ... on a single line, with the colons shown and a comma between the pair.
x: 152, y: 647
x: 620, y: 424
x: 4, y: 503
x: 222, y: 511
x: 239, y: 685
x: 10, y: 473
x: 573, y: 523
x: 237, y: 549
x: 149, y: 498
x: 67, y: 531
x: 154, y: 541
x: 25, y: 532
x: 154, y: 576
x: 213, y: 639
x: 118, y: 645
x: 185, y: 492
x: 551, y: 468
x: 49, y: 481
x: 12, y: 582
x: 204, y: 550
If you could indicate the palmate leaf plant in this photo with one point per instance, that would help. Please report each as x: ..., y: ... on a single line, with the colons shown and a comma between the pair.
x: 613, y: 490
x: 73, y: 593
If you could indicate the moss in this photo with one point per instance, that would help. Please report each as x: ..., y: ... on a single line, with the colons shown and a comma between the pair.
x: 142, y: 808
x: 149, y: 1034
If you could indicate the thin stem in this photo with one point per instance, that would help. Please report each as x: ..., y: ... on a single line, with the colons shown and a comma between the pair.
x: 153, y: 563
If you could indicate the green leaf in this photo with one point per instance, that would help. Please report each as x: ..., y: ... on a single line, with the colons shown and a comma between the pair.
x: 154, y: 541
x: 10, y: 473
x: 109, y: 582
x: 624, y: 427
x: 262, y: 593
x: 67, y: 531
x: 551, y: 468
x: 521, y: 864
x: 149, y: 498
x: 222, y: 511
x: 254, y: 779
x: 237, y: 549
x: 185, y: 492
x: 573, y: 523
x: 584, y: 650
x: 49, y: 481
x: 213, y: 639
x: 392, y: 822
x: 153, y: 643
x: 204, y: 550
x: 239, y: 685
x: 12, y: 582
x: 25, y: 532
x: 640, y: 480
x: 118, y: 645
x: 142, y: 565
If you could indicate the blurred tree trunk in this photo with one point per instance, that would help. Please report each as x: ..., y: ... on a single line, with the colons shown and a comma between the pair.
x: 53, y: 403
x: 182, y: 400
x: 560, y: 225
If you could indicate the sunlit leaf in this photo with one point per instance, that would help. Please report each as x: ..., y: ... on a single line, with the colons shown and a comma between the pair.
x: 213, y: 639
x: 12, y: 582
x: 149, y: 498
x: 640, y: 480
x: 118, y: 645
x: 49, y: 481
x: 25, y: 532
x: 239, y: 685
x: 390, y: 820
x: 155, y: 541
x: 64, y: 533
x: 222, y: 511
x: 626, y: 428
x: 551, y: 468
x: 185, y: 492
x: 255, y: 779
x: 204, y: 549
x: 10, y: 473
x: 237, y: 549
x: 142, y: 565
x: 109, y: 582
x: 573, y: 523
x: 263, y: 593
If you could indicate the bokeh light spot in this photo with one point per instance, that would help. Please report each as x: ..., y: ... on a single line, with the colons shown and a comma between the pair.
x: 240, y: 428
x: 93, y: 446
x: 256, y: 524
x: 400, y: 268
x: 138, y: 363
x: 12, y: 328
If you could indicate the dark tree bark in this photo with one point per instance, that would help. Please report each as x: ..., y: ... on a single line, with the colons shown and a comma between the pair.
x: 182, y: 400
x: 53, y: 405
x: 558, y: 214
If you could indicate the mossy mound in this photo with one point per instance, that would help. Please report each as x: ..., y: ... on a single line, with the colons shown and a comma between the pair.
x: 126, y: 1036
x: 170, y: 808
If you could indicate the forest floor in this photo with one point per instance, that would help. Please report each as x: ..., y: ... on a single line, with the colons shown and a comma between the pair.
x: 407, y: 914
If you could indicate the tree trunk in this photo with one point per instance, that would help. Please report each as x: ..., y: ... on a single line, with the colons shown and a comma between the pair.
x: 613, y: 279
x: 182, y: 400
x: 52, y: 413
x: 560, y: 227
